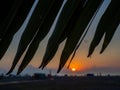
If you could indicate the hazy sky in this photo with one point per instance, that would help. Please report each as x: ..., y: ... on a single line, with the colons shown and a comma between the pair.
x: 108, y: 62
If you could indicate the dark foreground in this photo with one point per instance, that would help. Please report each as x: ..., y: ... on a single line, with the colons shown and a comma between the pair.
x: 65, y: 83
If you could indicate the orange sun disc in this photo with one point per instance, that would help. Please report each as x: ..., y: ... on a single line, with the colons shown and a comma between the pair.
x: 73, y: 69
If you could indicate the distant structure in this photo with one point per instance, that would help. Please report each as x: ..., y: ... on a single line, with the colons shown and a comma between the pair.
x: 50, y: 75
x: 39, y: 76
x: 90, y: 75
x: 65, y: 75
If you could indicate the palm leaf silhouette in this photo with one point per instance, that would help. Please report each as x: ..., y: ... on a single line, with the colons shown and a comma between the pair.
x: 71, y: 24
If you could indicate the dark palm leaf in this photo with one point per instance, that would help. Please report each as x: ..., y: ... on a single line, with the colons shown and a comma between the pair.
x: 36, y: 20
x: 84, y: 19
x: 111, y: 30
x: 5, y: 9
x: 107, y: 24
x: 18, y: 16
x: 42, y: 32
x: 10, y: 17
x: 60, y: 32
x: 71, y: 24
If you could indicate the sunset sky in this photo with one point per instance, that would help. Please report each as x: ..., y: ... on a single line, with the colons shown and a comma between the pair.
x: 106, y: 63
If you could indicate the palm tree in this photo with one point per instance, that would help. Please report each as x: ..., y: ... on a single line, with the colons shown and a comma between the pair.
x: 75, y: 18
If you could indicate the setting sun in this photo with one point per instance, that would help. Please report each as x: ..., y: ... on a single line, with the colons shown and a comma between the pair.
x: 75, y: 66
x: 73, y: 69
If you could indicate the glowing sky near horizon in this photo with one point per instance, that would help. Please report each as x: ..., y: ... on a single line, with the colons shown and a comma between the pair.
x: 108, y: 62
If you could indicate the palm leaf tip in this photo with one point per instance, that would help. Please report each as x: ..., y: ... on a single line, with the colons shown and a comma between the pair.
x: 21, y: 68
x: 113, y: 19
x: 90, y: 53
x: 19, y: 72
x: 9, y: 71
x: 59, y: 69
x: 103, y: 48
x: 40, y: 66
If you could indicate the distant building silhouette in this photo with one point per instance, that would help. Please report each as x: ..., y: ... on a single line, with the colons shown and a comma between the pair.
x: 90, y: 75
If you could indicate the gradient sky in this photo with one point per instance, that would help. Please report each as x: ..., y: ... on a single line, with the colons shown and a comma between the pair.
x: 106, y: 63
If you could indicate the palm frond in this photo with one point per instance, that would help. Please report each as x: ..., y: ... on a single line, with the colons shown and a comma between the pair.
x: 11, y: 26
x: 107, y: 24
x: 11, y: 15
x: 74, y: 17
x: 42, y: 32
x: 111, y: 30
x: 6, y: 5
x: 84, y: 19
x: 36, y: 20
x: 60, y: 32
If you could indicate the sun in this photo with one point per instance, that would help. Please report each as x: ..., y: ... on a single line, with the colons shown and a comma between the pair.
x: 73, y: 69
